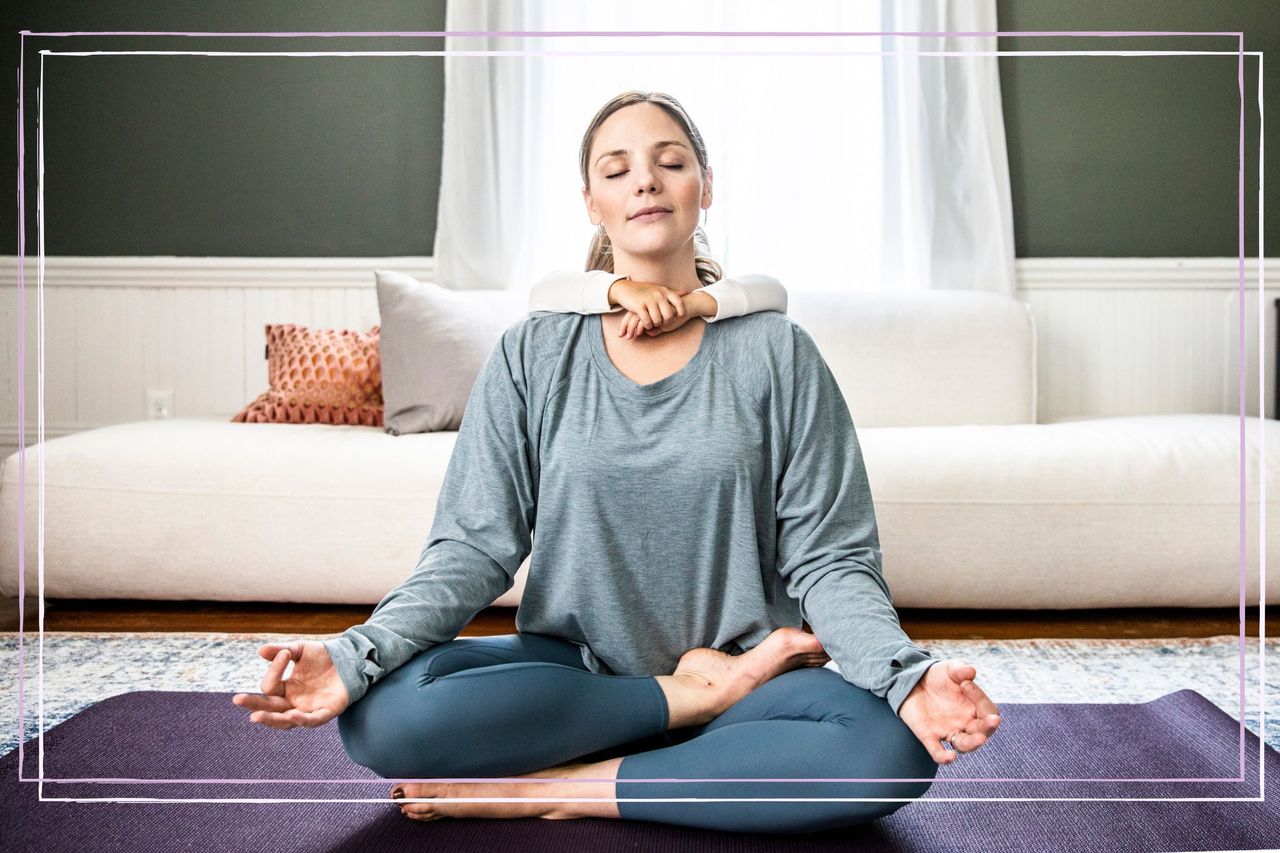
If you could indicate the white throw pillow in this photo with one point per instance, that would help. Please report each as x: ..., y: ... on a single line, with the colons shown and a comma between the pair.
x: 433, y: 343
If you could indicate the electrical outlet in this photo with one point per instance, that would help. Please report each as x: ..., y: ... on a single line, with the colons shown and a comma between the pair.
x: 160, y: 404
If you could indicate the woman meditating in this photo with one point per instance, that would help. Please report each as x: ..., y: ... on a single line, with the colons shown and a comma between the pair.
x: 697, y: 491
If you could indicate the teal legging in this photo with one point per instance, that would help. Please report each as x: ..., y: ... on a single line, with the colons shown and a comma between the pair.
x: 512, y: 704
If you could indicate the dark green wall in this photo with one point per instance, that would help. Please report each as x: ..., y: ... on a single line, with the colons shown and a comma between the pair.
x: 1117, y: 156
x: 1109, y: 156
x: 256, y: 156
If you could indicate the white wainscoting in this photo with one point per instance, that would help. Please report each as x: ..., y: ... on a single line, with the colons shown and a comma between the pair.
x: 1136, y: 336
x: 1117, y: 336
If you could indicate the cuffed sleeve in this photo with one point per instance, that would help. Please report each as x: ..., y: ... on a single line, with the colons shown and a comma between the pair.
x: 481, y: 534
x: 746, y: 294
x: 729, y: 299
x: 912, y: 662
x: 353, y: 655
x: 828, y: 548
x: 568, y: 292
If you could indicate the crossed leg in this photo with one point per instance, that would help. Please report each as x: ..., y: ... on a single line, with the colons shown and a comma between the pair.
x: 522, y: 705
x: 804, y: 724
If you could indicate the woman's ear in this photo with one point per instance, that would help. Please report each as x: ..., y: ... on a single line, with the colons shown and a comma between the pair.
x: 591, y: 212
x: 706, y: 191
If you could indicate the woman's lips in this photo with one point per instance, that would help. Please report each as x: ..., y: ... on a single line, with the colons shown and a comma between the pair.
x: 651, y: 217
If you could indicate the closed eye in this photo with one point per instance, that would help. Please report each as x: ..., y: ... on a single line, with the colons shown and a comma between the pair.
x: 624, y: 171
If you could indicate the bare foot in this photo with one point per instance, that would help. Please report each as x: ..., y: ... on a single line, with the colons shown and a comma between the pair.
x: 708, y: 682
x: 604, y: 790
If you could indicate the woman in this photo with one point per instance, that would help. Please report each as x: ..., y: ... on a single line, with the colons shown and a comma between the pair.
x: 693, y: 491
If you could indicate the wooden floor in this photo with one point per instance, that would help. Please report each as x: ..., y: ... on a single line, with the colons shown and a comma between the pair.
x: 240, y: 617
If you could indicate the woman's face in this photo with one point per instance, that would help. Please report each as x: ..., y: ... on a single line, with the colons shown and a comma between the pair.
x: 632, y: 168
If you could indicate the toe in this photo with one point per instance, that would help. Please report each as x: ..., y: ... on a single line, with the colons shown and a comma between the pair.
x: 418, y: 815
x: 412, y: 791
x: 417, y: 809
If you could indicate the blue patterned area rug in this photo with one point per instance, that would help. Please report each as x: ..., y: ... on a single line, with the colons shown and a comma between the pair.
x: 81, y: 669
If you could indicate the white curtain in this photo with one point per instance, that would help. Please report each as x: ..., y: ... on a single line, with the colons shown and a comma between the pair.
x: 948, y: 216
x: 820, y: 177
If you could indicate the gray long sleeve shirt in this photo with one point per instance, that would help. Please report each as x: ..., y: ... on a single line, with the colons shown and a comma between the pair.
x: 706, y: 509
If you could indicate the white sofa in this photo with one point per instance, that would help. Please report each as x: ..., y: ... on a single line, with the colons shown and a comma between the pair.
x: 978, y: 505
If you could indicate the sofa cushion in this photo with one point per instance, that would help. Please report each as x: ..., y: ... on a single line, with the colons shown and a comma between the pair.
x: 208, y: 509
x: 434, y: 342
x: 917, y: 358
x: 1102, y: 512
x: 922, y: 358
x: 925, y: 358
x: 1115, y: 512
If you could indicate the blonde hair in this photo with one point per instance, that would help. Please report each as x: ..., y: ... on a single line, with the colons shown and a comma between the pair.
x: 600, y: 255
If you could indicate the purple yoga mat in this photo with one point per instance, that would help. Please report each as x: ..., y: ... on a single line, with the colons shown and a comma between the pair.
x: 166, y: 735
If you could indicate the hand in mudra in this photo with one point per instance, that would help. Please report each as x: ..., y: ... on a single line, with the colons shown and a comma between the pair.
x: 946, y: 705
x: 312, y: 695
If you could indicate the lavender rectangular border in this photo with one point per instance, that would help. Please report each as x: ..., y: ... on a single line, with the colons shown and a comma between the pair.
x: 1240, y: 355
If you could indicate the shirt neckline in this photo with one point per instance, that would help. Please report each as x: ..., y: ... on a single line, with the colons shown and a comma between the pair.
x: 627, y: 385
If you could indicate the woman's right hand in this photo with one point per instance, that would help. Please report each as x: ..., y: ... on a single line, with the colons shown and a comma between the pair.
x: 312, y: 695
x: 651, y: 306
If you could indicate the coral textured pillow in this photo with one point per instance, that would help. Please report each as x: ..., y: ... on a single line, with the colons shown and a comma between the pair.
x: 326, y: 376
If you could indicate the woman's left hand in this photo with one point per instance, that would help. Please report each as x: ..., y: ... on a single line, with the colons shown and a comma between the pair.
x: 945, y: 704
